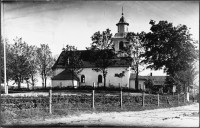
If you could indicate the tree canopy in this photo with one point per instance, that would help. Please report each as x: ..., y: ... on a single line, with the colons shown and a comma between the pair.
x: 24, y: 62
x: 45, y: 62
x: 134, y: 50
x: 102, y: 52
x: 17, y: 61
x: 169, y: 47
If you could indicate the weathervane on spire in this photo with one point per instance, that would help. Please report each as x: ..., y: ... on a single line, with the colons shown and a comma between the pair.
x: 122, y: 11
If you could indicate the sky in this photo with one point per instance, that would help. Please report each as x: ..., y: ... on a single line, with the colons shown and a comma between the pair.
x: 74, y: 22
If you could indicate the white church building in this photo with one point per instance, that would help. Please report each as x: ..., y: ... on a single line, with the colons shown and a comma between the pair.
x: 88, y: 77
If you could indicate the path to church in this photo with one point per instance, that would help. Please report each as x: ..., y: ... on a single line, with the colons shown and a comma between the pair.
x: 185, y: 116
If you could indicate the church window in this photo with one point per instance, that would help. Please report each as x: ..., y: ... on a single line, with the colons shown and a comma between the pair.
x: 82, y: 79
x: 121, y: 45
x: 99, y: 78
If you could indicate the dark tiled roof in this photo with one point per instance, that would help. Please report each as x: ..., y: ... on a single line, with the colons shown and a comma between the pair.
x: 133, y: 76
x: 65, y: 75
x: 84, y: 55
x: 122, y: 21
x: 158, y: 80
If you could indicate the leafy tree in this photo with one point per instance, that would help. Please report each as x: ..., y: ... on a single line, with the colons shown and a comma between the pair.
x: 32, y: 59
x: 169, y: 82
x: 17, y: 61
x: 183, y: 79
x: 149, y: 84
x: 168, y: 47
x: 102, y: 52
x: 134, y: 50
x: 45, y: 62
x: 72, y: 60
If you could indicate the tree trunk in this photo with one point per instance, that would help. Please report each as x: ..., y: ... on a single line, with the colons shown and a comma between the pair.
x: 19, y: 84
x: 42, y: 81
x: 104, y: 78
x: 188, y: 85
x: 136, y: 80
x: 73, y: 81
x: 27, y: 84
x: 45, y: 82
x: 33, y: 82
x: 185, y: 88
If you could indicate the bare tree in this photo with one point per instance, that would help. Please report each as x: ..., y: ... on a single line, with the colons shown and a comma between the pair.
x: 32, y: 59
x: 45, y: 62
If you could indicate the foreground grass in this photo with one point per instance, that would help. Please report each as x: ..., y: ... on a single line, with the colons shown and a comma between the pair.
x: 17, y: 117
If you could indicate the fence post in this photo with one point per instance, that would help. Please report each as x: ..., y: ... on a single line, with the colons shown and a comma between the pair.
x: 50, y: 101
x: 178, y: 98
x: 183, y: 97
x: 93, y: 99
x: 158, y: 100
x: 143, y: 97
x: 121, y: 98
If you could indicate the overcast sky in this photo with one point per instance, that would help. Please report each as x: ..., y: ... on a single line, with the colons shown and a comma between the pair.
x: 74, y: 22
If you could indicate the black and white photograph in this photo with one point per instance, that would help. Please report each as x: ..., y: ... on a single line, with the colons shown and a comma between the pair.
x: 68, y: 63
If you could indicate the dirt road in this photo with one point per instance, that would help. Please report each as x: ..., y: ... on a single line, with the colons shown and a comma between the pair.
x: 185, y: 116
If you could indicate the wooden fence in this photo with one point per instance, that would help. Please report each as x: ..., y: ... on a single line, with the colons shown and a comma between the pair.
x: 119, y: 101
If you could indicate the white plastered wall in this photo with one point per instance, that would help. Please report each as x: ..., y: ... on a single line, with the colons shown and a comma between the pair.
x: 61, y: 83
x: 92, y: 76
x: 116, y: 42
x: 140, y: 84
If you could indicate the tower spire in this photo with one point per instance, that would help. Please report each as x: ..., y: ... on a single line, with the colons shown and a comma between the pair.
x: 122, y: 11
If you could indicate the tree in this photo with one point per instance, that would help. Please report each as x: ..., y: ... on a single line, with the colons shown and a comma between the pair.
x: 183, y: 79
x: 134, y: 50
x: 45, y: 62
x: 102, y: 52
x: 32, y: 59
x: 73, y: 62
x: 149, y: 84
x: 168, y: 47
x: 17, y: 61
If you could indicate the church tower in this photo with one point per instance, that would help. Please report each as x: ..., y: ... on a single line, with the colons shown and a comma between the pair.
x: 122, y: 25
x: 120, y: 37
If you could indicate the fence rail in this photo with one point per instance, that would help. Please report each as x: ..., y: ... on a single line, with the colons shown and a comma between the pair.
x: 120, y: 101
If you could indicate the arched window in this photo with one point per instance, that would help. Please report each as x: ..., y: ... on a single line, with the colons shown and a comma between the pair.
x: 99, y: 78
x: 121, y: 45
x: 82, y: 79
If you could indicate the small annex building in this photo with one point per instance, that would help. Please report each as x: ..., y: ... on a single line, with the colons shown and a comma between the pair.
x: 88, y: 77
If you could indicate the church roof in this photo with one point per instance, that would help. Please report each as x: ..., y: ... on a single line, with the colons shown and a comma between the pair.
x: 65, y: 75
x: 122, y: 21
x: 84, y: 56
x: 157, y: 80
x: 133, y: 76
